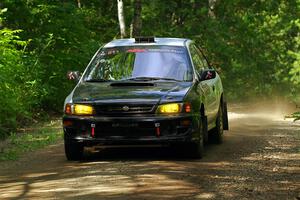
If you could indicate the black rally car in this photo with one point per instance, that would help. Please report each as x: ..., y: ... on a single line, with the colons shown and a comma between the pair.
x: 145, y: 91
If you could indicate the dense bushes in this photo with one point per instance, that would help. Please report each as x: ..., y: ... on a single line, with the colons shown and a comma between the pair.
x: 55, y: 38
x: 11, y: 66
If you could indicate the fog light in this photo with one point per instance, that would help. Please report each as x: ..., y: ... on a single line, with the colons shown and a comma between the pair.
x: 185, y: 122
x: 67, y: 123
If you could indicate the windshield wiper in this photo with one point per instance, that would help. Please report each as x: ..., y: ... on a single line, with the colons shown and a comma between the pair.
x: 170, y: 79
x: 97, y: 80
x: 142, y: 78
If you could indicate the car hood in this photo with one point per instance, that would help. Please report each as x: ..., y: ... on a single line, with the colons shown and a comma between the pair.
x: 107, y: 92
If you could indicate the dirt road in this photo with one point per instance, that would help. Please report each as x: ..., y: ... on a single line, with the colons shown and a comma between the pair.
x: 260, y: 159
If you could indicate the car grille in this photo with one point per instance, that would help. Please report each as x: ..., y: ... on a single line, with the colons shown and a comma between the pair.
x: 123, y: 109
x: 130, y: 130
x: 137, y: 129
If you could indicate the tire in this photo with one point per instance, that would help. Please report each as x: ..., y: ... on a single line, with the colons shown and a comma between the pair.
x: 196, y: 150
x: 216, y: 135
x: 73, y: 150
x: 205, y: 130
x: 225, y: 117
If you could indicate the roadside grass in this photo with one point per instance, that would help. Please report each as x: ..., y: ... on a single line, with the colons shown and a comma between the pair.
x: 295, y: 116
x: 30, y: 139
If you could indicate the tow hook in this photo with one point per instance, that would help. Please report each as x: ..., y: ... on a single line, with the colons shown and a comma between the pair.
x: 157, y: 126
x: 93, y: 129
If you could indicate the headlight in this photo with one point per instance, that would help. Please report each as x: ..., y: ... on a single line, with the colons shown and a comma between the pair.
x: 79, y: 109
x: 169, y: 108
x: 174, y: 108
x: 83, y: 109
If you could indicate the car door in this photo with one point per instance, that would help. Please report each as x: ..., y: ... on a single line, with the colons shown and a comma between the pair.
x: 204, y: 86
x: 214, y: 85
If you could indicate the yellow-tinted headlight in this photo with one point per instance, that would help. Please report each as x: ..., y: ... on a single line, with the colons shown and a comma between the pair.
x: 170, y: 108
x: 80, y: 109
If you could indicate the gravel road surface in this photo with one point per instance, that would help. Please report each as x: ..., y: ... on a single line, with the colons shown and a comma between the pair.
x: 259, y: 159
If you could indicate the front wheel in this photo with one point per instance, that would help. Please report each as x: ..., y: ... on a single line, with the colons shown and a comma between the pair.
x: 197, y: 149
x: 73, y: 150
x: 216, y: 135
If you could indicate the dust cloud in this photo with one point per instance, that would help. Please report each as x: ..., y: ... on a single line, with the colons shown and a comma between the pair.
x: 273, y: 110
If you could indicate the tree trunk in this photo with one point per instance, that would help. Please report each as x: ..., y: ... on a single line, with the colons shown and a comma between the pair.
x: 121, y: 18
x: 1, y: 10
x: 79, y: 3
x: 211, y: 8
x: 136, y: 25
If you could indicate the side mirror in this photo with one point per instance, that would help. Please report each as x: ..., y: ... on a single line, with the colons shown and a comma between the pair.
x: 208, y: 74
x: 73, y: 75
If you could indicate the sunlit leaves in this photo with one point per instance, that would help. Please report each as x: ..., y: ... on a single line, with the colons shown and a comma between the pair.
x: 10, y: 66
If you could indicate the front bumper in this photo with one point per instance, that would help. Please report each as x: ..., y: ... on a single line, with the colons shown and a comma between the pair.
x: 131, y: 130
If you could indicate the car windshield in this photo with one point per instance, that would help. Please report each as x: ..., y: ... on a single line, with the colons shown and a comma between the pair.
x: 140, y: 64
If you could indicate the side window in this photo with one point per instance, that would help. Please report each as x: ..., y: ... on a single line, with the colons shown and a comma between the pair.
x: 203, y: 59
x: 197, y: 61
x: 205, y: 63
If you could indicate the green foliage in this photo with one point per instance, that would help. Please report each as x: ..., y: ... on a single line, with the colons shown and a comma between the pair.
x: 255, y: 45
x: 296, y: 115
x: 56, y: 37
x: 11, y: 91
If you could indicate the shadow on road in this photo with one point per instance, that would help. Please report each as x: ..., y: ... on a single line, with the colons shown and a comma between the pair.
x: 258, y: 160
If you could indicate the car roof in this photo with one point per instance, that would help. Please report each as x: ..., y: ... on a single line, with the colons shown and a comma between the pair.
x: 158, y: 42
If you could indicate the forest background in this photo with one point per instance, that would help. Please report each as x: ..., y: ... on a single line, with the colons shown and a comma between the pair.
x: 255, y: 45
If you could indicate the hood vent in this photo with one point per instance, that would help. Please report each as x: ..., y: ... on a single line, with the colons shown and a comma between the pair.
x: 131, y: 84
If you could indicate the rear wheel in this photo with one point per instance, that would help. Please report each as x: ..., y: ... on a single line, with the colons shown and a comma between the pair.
x: 73, y: 150
x: 205, y: 130
x: 216, y: 135
x: 225, y: 117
